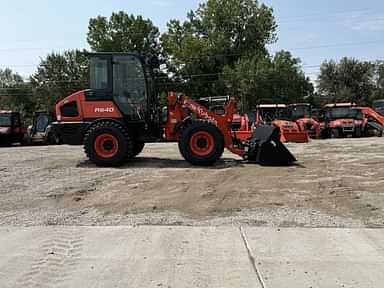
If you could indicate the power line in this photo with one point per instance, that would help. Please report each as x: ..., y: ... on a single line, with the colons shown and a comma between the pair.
x: 235, y: 54
x: 320, y: 16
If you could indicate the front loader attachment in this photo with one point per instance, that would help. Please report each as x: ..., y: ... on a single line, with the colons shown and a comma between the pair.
x: 265, y: 148
x: 294, y: 136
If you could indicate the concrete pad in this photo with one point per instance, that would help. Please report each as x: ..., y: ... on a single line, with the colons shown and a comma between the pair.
x: 124, y: 257
x: 318, y: 257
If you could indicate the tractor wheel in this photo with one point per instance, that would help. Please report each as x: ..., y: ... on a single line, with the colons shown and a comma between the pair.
x: 334, y: 134
x: 7, y: 142
x: 53, y: 139
x: 201, y: 144
x: 138, y: 147
x: 107, y: 144
x: 358, y: 133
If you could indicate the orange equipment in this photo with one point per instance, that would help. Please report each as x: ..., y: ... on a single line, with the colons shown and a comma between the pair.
x: 374, y: 122
x: 341, y: 120
x: 301, y: 113
x: 276, y: 114
x: 120, y: 113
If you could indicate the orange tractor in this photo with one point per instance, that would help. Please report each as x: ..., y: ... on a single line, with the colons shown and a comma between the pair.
x: 303, y: 116
x: 342, y: 120
x: 279, y: 115
x: 120, y: 113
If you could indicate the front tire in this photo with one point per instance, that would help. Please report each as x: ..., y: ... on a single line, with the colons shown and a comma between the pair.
x: 201, y: 144
x: 107, y: 144
x: 138, y: 147
x: 358, y: 132
x: 334, y: 134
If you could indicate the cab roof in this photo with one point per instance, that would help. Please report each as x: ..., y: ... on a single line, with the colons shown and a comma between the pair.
x: 271, y: 106
x: 335, y: 105
x: 300, y: 104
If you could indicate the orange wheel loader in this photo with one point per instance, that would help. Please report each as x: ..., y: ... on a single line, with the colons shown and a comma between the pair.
x: 120, y: 113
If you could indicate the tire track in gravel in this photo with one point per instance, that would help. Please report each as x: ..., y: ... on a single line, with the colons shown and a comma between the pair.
x: 56, y: 261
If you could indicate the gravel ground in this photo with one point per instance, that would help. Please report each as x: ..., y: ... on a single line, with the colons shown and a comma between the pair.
x: 337, y: 183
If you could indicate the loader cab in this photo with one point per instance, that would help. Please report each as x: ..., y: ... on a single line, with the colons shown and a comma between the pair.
x: 5, y: 119
x: 124, y: 79
x: 10, y: 119
x: 298, y: 111
x: 342, y: 112
x: 271, y: 112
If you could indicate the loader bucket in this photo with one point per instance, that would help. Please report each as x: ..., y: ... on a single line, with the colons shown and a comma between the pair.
x: 295, y: 137
x: 265, y: 148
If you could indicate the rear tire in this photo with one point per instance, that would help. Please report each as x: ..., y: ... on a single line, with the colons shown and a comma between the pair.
x: 201, y: 144
x: 107, y: 144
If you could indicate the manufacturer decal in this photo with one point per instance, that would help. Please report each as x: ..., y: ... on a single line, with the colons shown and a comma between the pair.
x: 105, y: 110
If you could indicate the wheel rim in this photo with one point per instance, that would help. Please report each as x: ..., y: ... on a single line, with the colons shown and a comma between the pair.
x: 202, y: 143
x: 106, y: 145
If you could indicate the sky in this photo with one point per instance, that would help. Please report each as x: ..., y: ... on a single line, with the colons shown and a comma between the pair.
x: 313, y: 31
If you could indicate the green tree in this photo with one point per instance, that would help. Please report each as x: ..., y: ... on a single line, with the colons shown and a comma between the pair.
x: 58, y: 76
x: 9, y: 79
x: 378, y: 81
x: 15, y: 94
x: 278, y: 79
x: 349, y: 80
x: 217, y: 35
x: 124, y: 33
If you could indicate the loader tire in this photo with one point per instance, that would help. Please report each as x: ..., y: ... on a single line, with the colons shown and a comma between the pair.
x: 334, y: 134
x: 107, y: 144
x: 138, y: 147
x: 201, y: 144
x: 358, y: 133
x: 6, y: 141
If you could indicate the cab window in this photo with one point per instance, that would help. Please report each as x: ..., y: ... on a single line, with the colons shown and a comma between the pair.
x: 129, y: 86
x: 98, y: 74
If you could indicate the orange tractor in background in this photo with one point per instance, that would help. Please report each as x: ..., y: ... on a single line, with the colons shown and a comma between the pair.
x: 341, y: 120
x: 293, y: 125
x: 280, y: 116
x: 301, y: 113
x: 121, y: 112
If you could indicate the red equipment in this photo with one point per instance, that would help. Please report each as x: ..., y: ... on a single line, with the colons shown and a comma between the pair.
x: 120, y: 113
x: 374, y: 121
x: 11, y: 130
x: 340, y: 120
x: 302, y: 115
x: 277, y: 115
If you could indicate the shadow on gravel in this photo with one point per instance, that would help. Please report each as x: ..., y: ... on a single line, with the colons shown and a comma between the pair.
x: 152, y: 162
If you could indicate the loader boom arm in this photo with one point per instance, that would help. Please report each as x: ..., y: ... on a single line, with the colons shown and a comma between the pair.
x: 180, y: 108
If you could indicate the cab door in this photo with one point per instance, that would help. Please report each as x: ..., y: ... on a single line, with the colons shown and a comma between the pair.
x: 130, y: 87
